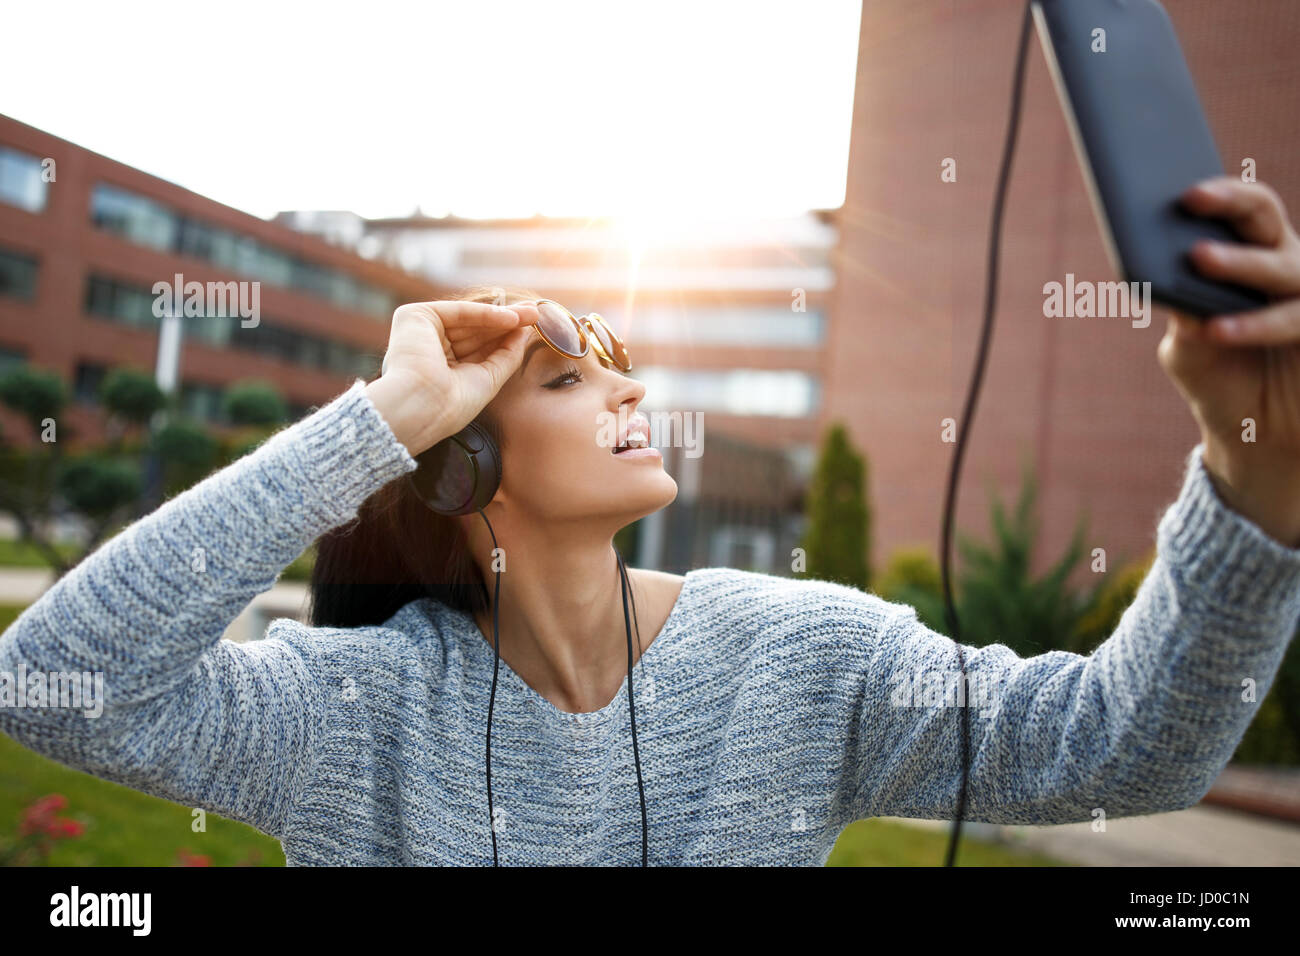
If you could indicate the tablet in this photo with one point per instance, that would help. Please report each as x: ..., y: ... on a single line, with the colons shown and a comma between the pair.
x: 1141, y: 139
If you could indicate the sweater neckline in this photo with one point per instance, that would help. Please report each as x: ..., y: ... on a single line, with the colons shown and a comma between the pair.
x: 483, y: 653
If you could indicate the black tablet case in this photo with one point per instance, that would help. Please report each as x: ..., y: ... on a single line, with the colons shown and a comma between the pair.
x: 1142, y: 139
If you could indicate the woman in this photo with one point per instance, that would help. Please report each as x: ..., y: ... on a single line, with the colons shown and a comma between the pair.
x: 771, y: 712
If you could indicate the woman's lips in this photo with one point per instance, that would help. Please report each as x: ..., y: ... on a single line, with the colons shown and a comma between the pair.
x: 650, y: 452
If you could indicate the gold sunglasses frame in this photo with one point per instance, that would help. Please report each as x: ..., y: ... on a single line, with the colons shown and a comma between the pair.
x: 590, y: 340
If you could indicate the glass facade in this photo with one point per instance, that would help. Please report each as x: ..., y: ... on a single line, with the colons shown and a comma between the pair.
x: 153, y: 224
x: 780, y: 393
x: 21, y: 182
x: 17, y: 275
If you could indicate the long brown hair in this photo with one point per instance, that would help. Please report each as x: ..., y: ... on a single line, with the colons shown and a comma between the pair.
x: 397, y: 550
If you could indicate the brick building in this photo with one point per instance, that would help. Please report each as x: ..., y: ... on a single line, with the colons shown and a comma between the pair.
x: 1084, y: 401
x: 79, y: 256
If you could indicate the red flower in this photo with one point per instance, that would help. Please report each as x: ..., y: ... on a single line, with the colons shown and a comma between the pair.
x: 38, y: 817
x: 65, y: 828
x: 187, y: 858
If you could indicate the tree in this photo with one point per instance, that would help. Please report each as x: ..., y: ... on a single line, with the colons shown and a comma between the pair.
x: 912, y: 577
x: 1001, y: 601
x: 254, y: 403
x: 838, y: 538
x: 42, y: 483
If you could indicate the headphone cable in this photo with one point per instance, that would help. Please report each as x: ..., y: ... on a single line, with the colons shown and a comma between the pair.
x: 496, y: 664
x: 631, y: 706
x: 990, y: 301
x: 492, y: 699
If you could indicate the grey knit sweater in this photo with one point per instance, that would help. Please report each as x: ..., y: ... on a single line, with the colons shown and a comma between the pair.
x: 771, y: 712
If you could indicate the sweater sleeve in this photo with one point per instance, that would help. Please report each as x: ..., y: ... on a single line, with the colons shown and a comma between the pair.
x: 1143, y: 724
x: 183, y: 714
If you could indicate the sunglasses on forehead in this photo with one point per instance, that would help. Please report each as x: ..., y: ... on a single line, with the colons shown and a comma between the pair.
x: 574, y: 336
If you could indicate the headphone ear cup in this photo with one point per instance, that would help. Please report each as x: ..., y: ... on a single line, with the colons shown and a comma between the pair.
x: 460, y: 474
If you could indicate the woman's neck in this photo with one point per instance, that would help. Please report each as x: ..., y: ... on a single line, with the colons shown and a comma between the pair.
x: 561, y: 617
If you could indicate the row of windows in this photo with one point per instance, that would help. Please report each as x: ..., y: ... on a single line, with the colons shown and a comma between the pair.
x: 21, y: 181
x: 133, y: 305
x: 153, y: 224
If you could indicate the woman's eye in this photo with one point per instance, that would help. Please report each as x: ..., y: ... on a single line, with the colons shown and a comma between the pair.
x: 565, y: 377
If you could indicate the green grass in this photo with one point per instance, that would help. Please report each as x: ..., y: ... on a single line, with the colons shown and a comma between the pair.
x: 124, y: 827
x: 886, y: 843
x: 9, y: 613
x: 19, y: 554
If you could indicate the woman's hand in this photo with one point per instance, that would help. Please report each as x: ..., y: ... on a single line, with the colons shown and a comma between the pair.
x: 445, y: 361
x: 1246, y: 366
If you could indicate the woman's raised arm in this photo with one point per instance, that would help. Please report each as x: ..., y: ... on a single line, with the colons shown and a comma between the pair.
x: 188, y: 716
x: 1143, y: 724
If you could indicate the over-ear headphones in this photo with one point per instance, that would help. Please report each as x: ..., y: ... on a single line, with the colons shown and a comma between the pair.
x: 460, y: 474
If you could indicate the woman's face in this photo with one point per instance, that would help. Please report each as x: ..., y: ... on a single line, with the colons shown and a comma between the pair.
x: 560, y: 420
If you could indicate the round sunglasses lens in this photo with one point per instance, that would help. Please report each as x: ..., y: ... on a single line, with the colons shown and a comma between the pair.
x: 609, y: 341
x: 555, y: 325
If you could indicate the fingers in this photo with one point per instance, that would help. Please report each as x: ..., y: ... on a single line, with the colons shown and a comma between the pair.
x: 1277, y: 324
x: 453, y: 314
x: 1275, y: 271
x: 503, y: 361
x: 1186, y: 348
x: 474, y: 345
x: 1255, y: 210
x: 525, y: 314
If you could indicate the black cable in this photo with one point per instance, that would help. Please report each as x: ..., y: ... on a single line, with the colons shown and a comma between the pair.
x: 496, y: 664
x: 631, y: 706
x: 492, y: 699
x: 990, y: 301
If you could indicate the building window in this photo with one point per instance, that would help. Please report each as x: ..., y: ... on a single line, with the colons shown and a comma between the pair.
x: 21, y: 182
x: 17, y: 276
x: 89, y: 377
x: 746, y: 548
x: 152, y: 224
x: 128, y: 304
x: 779, y: 393
x: 754, y: 326
x: 134, y: 217
x: 202, y: 402
x: 11, y: 359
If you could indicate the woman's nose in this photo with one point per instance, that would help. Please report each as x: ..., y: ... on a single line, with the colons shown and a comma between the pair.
x: 629, y: 390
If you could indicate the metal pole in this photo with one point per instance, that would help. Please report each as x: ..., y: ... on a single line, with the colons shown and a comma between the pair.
x: 166, y: 375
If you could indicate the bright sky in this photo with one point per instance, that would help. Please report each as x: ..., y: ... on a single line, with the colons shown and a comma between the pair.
x: 477, y: 107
